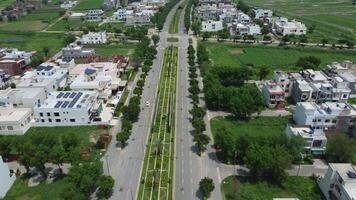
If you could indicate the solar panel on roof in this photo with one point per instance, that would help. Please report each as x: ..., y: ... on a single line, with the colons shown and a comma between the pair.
x: 65, y: 104
x: 60, y: 95
x: 58, y: 104
x: 76, y: 98
x: 72, y: 95
x: 66, y: 95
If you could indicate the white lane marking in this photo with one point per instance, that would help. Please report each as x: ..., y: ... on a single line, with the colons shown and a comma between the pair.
x: 219, y: 177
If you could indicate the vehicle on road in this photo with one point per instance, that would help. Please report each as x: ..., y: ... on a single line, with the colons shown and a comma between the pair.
x: 147, y: 103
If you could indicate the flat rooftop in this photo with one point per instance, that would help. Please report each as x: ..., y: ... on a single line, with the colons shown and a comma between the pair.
x: 13, y: 114
x: 69, y: 99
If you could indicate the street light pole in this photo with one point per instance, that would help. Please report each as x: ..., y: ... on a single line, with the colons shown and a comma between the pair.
x: 107, y: 163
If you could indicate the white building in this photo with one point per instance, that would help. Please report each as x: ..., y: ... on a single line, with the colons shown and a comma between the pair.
x: 94, y: 38
x: 339, y: 182
x: 94, y: 15
x: 14, y: 121
x: 7, y: 178
x: 243, y: 18
x: 315, y: 139
x: 23, y: 97
x: 273, y: 95
x: 68, y: 63
x: 212, y: 26
x: 284, y: 27
x: 68, y: 5
x: 246, y: 29
x: 77, y: 16
x: 263, y: 14
x: 15, y: 54
x: 75, y: 51
x: 70, y: 108
x: 119, y: 15
x: 283, y: 80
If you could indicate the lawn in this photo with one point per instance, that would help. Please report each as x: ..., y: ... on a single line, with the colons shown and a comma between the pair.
x: 334, y: 19
x: 259, y: 126
x: 32, y: 41
x: 88, y: 5
x: 125, y: 49
x: 112, y: 27
x: 74, y: 25
x: 304, y: 188
x: 352, y: 100
x: 282, y: 58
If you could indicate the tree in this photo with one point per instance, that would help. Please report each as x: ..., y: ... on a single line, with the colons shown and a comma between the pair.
x: 285, y: 39
x: 12, y: 85
x: 340, y: 148
x: 70, y: 192
x: 201, y: 141
x: 58, y: 156
x: 206, y: 35
x: 69, y: 141
x: 199, y: 125
x: 223, y: 34
x: 45, y: 51
x: 267, y: 38
x: 296, y: 146
x: 69, y: 39
x: 308, y: 62
x: 265, y: 30
x: 324, y: 41
x: 105, y: 185
x: 263, y: 72
x: 5, y: 145
x: 196, y: 27
x: 123, y: 137
x: 303, y: 39
x: 155, y: 39
x: 206, y: 186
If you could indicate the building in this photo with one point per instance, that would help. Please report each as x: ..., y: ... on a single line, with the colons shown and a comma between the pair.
x: 4, y: 78
x: 15, y: 54
x: 243, y: 18
x: 94, y: 15
x: 76, y: 16
x: 284, y: 27
x: 208, y: 12
x: 346, y: 71
x: 22, y: 97
x: 13, y: 61
x: 284, y: 81
x: 315, y: 138
x: 65, y: 62
x: 339, y: 182
x: 70, y: 108
x: 119, y: 15
x: 68, y: 5
x: 94, y: 38
x: 142, y: 17
x: 263, y: 14
x: 7, y: 178
x: 212, y: 26
x: 14, y: 121
x: 75, y: 51
x: 273, y: 95
x: 242, y: 29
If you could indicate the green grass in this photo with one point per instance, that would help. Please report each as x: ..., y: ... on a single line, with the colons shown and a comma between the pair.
x: 4, y: 3
x: 88, y: 5
x: 111, y: 27
x: 174, y: 26
x: 304, y: 188
x: 32, y: 41
x: 280, y: 58
x: 352, y: 100
x: 125, y: 49
x: 259, y: 126
x: 43, y: 191
x: 73, y: 25
x: 334, y: 19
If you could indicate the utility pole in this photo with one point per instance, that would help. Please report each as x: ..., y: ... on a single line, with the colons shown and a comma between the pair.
x: 107, y: 163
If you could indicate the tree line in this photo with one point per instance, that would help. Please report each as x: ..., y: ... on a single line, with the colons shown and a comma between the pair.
x: 187, y: 14
x: 160, y: 17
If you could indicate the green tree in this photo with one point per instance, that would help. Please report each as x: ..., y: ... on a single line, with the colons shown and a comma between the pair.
x: 5, y: 145
x: 296, y: 146
x: 155, y: 39
x: 69, y: 141
x: 201, y: 141
x: 123, y: 137
x: 69, y: 39
x: 196, y: 27
x: 263, y: 72
x: 45, y: 51
x: 206, y: 35
x: 12, y: 85
x: 57, y: 156
x: 105, y: 185
x: 285, y: 39
x: 340, y: 148
x: 206, y: 186
x: 324, y: 41
x: 265, y: 30
x: 223, y: 34
x: 70, y: 192
x: 308, y: 62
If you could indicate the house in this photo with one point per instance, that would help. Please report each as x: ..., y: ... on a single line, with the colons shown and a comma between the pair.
x: 13, y: 61
x: 4, y: 78
x: 243, y: 18
x: 301, y: 91
x: 284, y: 27
x: 346, y: 71
x: 119, y: 15
x: 315, y: 138
x: 242, y: 29
x: 75, y: 51
x: 212, y: 26
x: 65, y: 62
x: 263, y: 14
x: 68, y: 5
x: 284, y: 81
x: 7, y: 178
x: 94, y: 15
x: 14, y: 121
x: 15, y: 54
x: 339, y: 182
x: 77, y: 16
x: 273, y: 95
x: 108, y: 4
x: 141, y: 17
x: 69, y: 108
x: 22, y: 97
x: 94, y: 38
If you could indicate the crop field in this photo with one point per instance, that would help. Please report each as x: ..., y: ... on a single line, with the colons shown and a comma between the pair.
x: 5, y: 3
x: 73, y: 25
x: 333, y: 19
x: 88, y: 5
x: 157, y: 175
x: 125, y: 49
x: 273, y: 57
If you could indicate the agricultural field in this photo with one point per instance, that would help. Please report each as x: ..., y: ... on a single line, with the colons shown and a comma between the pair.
x: 333, y: 19
x: 125, y: 49
x: 242, y: 188
x: 31, y: 41
x: 73, y: 25
x: 5, y: 3
x: 88, y: 5
x: 157, y: 175
x: 280, y: 58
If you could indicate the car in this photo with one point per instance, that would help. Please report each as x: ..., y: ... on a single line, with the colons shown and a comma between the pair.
x: 147, y: 103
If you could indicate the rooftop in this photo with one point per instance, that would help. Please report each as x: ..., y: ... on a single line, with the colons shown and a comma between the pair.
x: 69, y: 99
x: 13, y: 114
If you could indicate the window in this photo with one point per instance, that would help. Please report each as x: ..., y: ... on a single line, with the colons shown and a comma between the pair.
x: 42, y: 120
x: 72, y: 120
x: 10, y: 128
x: 319, y: 120
x: 317, y: 143
x: 344, y: 96
x: 314, y: 120
x: 327, y: 120
x: 56, y: 114
x: 48, y: 114
x: 334, y: 121
x: 41, y: 114
x: 58, y: 120
x: 49, y: 120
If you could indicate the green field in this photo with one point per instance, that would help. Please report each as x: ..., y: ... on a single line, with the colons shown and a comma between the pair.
x: 88, y: 5
x: 157, y: 175
x: 73, y: 25
x: 280, y: 58
x: 260, y: 126
x: 5, y: 3
x: 125, y: 49
x: 334, y: 19
x: 174, y: 26
x: 33, y: 41
x: 241, y: 188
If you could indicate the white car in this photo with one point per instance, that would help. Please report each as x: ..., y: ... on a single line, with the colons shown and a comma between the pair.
x: 147, y: 103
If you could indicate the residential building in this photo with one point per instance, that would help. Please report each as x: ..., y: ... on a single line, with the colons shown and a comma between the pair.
x: 283, y: 27
x: 22, y: 97
x: 14, y: 121
x: 69, y: 108
x: 284, y: 81
x: 68, y: 63
x: 208, y: 12
x: 345, y: 70
x: 242, y: 29
x: 75, y: 51
x: 77, y: 16
x: 339, y: 182
x: 212, y: 26
x: 13, y: 61
x: 119, y: 15
x: 15, y: 54
x: 263, y: 14
x: 273, y: 95
x: 94, y: 15
x: 315, y: 138
x: 301, y: 91
x: 4, y: 78
x: 141, y: 17
x: 67, y: 5
x: 94, y: 38
x: 243, y: 18
x: 7, y: 178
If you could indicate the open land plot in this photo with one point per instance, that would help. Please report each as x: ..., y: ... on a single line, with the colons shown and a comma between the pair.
x: 242, y: 188
x: 276, y: 58
x: 113, y: 26
x: 157, y: 175
x: 5, y: 3
x: 125, y: 49
x: 88, y: 5
x: 73, y: 25
x: 33, y: 41
x: 334, y: 19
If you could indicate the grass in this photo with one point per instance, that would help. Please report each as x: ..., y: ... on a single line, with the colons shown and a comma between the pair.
x: 125, y: 49
x: 352, y: 100
x: 280, y: 58
x: 174, y: 26
x: 73, y: 25
x: 334, y: 19
x: 88, y: 5
x: 242, y: 188
x: 157, y: 174
x: 4, y: 3
x: 113, y: 26
x: 43, y: 191
x: 30, y: 41
x: 259, y: 126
